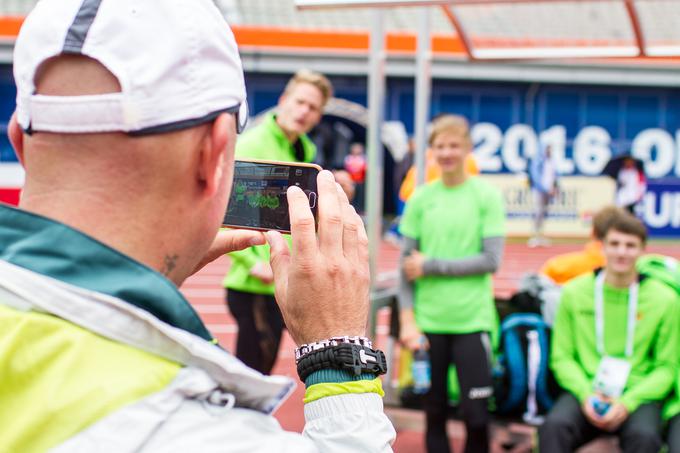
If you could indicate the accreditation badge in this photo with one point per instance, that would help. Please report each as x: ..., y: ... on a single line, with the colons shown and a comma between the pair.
x: 612, y: 376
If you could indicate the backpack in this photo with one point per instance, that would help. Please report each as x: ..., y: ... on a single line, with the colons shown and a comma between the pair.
x: 537, y: 293
x: 523, y: 383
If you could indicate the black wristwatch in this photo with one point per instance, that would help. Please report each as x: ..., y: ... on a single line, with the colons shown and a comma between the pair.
x: 349, y: 357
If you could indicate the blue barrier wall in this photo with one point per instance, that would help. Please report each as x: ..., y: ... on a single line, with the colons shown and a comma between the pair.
x: 585, y: 125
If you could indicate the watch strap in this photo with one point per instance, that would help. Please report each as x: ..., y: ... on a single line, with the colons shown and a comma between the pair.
x: 352, y: 358
x: 305, y: 349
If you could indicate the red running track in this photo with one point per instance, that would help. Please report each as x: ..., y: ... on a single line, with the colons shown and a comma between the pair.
x: 204, y: 291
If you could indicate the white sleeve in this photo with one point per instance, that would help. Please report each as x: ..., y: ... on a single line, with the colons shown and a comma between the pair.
x: 355, y: 422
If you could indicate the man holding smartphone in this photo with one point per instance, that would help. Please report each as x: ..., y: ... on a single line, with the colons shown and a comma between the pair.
x: 281, y: 136
x: 126, y: 121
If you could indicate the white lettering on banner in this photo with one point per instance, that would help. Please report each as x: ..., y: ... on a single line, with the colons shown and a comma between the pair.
x: 661, y: 141
x: 487, y: 138
x: 668, y: 213
x: 591, y: 149
x: 519, y: 134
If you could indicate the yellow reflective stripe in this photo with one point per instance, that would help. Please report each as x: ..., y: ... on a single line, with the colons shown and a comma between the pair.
x: 317, y: 391
x: 57, y: 379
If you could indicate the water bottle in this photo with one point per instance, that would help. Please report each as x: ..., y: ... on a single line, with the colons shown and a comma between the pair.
x: 600, y: 406
x: 421, y: 369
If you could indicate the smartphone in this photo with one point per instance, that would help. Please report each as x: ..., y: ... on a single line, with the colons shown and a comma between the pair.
x: 258, y: 194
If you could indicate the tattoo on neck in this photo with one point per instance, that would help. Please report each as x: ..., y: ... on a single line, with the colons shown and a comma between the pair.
x: 169, y: 264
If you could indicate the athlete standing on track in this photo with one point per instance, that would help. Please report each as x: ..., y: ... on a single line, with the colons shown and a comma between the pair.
x: 453, y: 240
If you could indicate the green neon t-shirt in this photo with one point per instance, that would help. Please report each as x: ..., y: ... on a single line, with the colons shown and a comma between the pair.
x: 450, y: 223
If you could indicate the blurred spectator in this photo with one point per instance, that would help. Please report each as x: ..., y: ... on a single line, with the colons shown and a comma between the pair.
x: 631, y: 184
x: 543, y: 182
x: 250, y: 282
x: 615, y: 377
x: 453, y: 232
x: 404, y: 165
x: 355, y: 165
x: 562, y: 268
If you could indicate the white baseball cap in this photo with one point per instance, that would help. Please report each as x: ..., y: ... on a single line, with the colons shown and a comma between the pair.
x: 176, y: 61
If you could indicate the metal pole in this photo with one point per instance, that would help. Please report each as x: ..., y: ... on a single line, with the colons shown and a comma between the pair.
x: 423, y: 89
x: 376, y: 103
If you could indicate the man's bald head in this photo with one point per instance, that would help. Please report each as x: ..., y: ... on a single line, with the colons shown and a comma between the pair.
x: 124, y: 189
x: 94, y: 161
x: 125, y: 123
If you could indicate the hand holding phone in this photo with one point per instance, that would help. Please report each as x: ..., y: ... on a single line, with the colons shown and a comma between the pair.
x: 322, y: 285
x: 258, y: 198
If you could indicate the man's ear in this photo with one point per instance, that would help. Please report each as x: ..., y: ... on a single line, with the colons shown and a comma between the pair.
x: 16, y: 137
x: 216, y: 150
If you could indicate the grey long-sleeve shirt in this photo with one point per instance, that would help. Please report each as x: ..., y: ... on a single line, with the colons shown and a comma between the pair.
x: 487, y: 261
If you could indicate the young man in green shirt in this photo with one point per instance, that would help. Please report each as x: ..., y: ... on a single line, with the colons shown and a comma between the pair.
x: 614, y: 350
x: 281, y: 136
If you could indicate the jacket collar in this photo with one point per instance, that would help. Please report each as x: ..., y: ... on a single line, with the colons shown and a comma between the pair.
x: 309, y: 150
x: 55, y: 250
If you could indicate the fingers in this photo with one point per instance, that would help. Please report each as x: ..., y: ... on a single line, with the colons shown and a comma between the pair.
x: 330, y: 215
x: 362, y: 246
x: 350, y: 228
x: 280, y: 262
x: 228, y: 241
x: 302, y: 226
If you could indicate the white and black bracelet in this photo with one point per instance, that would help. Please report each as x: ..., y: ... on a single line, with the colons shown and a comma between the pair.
x: 305, y: 349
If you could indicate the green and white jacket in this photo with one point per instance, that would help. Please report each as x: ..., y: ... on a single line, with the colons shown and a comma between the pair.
x: 99, y: 353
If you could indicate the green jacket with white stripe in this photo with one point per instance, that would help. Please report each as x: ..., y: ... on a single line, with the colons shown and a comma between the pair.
x: 100, y: 353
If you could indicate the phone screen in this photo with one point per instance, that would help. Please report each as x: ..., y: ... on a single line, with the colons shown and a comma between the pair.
x: 258, y: 194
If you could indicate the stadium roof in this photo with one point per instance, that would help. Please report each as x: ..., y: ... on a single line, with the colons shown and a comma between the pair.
x: 513, y: 40
x: 549, y: 28
x: 481, y: 29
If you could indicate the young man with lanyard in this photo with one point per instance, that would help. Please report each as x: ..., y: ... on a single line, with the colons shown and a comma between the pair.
x: 126, y: 121
x: 281, y: 136
x: 614, y: 350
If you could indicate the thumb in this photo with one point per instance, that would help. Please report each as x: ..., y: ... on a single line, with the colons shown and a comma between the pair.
x: 280, y: 262
x: 227, y: 241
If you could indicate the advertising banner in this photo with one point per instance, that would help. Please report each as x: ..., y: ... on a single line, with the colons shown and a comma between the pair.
x: 570, y: 212
x: 660, y: 207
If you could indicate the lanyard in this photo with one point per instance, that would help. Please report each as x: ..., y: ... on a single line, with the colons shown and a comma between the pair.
x: 599, y: 315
